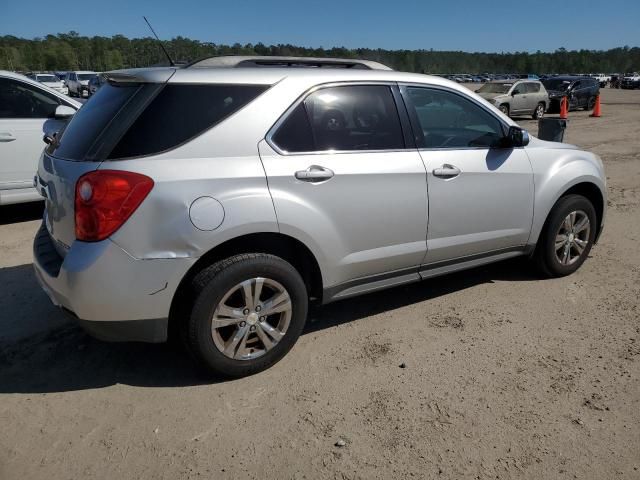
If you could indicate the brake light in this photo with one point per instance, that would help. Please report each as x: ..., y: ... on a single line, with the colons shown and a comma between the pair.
x: 105, y: 199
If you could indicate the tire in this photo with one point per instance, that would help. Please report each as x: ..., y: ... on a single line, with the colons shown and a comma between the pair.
x: 504, y: 108
x: 220, y: 287
x: 538, y: 113
x: 555, y: 263
x: 591, y: 103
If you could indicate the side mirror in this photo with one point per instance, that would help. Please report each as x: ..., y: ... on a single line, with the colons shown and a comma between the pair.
x: 517, y: 137
x: 63, y: 111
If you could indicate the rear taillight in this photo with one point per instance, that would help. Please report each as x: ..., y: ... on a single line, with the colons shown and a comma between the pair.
x: 105, y: 199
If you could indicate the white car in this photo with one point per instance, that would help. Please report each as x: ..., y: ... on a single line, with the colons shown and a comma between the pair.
x: 602, y: 78
x: 78, y: 83
x: 28, y: 111
x: 51, y: 81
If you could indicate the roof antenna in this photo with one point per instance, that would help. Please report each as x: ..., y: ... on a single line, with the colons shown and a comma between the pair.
x: 171, y: 62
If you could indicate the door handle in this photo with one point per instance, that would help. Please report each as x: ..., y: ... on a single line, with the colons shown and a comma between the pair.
x: 446, y: 171
x: 314, y: 173
x: 6, y: 137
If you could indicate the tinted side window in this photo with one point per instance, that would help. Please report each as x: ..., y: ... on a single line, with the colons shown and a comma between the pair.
x: 294, y: 135
x: 21, y: 100
x: 448, y: 120
x: 519, y: 89
x: 89, y: 122
x: 347, y: 118
x: 362, y: 117
x: 533, y: 87
x: 179, y: 113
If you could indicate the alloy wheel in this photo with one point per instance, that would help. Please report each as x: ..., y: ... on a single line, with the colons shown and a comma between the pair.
x: 251, y: 318
x: 572, y: 237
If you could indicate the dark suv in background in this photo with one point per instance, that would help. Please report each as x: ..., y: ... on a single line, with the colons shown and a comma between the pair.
x: 580, y: 91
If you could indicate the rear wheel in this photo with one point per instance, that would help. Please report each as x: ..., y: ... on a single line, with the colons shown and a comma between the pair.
x: 249, y: 311
x: 591, y: 103
x: 567, y: 237
x: 539, y: 111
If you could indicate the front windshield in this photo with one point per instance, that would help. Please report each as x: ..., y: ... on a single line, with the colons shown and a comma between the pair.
x: 495, y: 88
x: 86, y: 76
x: 47, y: 78
x: 556, y: 84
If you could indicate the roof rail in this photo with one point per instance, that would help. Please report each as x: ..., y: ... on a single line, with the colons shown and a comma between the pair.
x: 237, y: 61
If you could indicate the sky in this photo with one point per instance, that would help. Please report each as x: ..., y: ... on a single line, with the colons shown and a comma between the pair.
x: 472, y: 26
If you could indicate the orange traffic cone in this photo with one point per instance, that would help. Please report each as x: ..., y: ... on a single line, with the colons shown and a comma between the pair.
x: 564, y: 108
x: 596, y: 110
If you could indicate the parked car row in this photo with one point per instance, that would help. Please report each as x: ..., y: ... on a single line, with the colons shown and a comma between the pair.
x: 486, y: 77
x: 51, y: 81
x: 74, y: 84
x: 531, y: 97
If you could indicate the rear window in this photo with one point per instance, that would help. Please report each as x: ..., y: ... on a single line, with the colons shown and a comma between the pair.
x: 179, y: 113
x: 89, y: 122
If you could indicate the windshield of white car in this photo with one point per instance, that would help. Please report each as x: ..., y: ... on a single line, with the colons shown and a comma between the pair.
x: 86, y: 76
x: 47, y: 78
x: 495, y: 88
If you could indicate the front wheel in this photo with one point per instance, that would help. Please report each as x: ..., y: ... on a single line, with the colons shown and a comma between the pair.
x: 567, y: 237
x: 504, y: 108
x: 538, y: 113
x: 249, y: 311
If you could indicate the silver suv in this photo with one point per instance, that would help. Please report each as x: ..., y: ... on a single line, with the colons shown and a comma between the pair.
x: 218, y: 199
x: 522, y: 97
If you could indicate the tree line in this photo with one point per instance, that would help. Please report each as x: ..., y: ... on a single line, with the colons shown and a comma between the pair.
x: 71, y: 51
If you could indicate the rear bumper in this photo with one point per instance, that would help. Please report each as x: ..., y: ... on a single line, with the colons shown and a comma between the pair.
x: 113, y: 296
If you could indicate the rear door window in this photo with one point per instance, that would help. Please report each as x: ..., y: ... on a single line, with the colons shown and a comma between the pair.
x: 343, y: 118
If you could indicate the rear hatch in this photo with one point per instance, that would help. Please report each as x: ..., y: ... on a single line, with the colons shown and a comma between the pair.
x: 85, y: 142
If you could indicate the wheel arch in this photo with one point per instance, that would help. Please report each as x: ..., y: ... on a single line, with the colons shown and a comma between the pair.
x: 284, y: 246
x: 591, y: 192
x: 588, y: 188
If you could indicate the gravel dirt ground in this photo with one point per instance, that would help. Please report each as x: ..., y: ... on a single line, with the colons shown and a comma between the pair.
x: 505, y: 375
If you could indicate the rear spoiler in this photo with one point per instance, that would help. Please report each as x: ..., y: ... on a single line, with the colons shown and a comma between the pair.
x: 140, y: 75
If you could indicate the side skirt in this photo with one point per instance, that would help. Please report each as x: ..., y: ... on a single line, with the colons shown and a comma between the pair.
x: 374, y: 283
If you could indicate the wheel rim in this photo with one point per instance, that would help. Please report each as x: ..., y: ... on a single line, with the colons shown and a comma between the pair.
x: 572, y: 237
x: 539, y: 111
x: 251, y: 318
x: 504, y: 110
